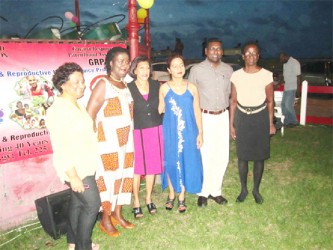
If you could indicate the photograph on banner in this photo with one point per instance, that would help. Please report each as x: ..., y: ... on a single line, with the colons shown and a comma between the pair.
x: 35, y: 94
x: 27, y: 90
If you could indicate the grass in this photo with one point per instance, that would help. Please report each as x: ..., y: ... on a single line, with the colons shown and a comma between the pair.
x: 297, y: 212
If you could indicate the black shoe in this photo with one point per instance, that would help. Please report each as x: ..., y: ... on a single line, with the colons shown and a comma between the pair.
x: 152, y: 208
x: 202, y: 201
x: 219, y: 199
x: 241, y: 197
x: 258, y: 198
x: 137, y: 211
x: 181, y: 206
x: 169, y: 203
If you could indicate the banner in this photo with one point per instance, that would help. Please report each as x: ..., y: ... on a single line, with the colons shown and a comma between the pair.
x: 26, y: 70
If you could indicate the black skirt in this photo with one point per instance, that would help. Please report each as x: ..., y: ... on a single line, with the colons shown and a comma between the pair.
x: 252, y: 135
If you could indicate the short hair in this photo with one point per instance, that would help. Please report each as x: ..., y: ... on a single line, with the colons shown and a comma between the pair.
x: 62, y: 74
x: 111, y: 54
x: 213, y: 40
x: 135, y: 63
x: 173, y: 56
x: 248, y: 43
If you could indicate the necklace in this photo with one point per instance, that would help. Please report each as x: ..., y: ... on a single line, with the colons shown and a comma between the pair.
x: 120, y: 91
x: 114, y: 79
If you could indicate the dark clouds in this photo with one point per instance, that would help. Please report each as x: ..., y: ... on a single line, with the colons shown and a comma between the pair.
x: 278, y: 25
x: 301, y: 27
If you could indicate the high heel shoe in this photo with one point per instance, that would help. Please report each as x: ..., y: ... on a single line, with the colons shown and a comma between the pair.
x: 123, y: 223
x: 152, y: 208
x: 111, y: 234
x: 169, y: 203
x: 137, y: 211
x: 181, y: 206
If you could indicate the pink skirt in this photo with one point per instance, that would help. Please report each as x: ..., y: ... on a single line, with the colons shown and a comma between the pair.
x: 148, y: 151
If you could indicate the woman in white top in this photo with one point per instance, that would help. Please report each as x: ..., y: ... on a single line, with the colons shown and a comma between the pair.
x: 75, y: 154
x: 251, y: 118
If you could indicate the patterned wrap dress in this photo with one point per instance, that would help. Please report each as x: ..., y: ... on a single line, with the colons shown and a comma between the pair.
x: 114, y: 121
x: 182, y: 159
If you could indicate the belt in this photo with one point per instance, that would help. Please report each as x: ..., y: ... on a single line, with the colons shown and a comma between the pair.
x: 213, y: 112
x: 251, y: 110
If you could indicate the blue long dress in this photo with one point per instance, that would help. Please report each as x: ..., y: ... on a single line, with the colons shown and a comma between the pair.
x: 182, y: 159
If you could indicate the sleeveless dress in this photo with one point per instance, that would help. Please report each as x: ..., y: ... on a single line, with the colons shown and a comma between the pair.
x: 114, y: 123
x: 182, y: 159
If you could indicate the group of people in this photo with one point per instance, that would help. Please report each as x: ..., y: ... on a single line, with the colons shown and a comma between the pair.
x: 28, y: 117
x: 179, y: 129
x: 36, y: 95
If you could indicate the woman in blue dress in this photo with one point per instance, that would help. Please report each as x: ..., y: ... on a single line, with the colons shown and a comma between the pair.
x: 182, y: 132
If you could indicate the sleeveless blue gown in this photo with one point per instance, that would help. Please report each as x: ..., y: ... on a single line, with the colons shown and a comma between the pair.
x: 182, y: 159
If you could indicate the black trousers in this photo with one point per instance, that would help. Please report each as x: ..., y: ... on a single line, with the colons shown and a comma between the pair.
x: 83, y: 210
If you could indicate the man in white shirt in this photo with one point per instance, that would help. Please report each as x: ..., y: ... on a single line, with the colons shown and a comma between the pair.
x: 212, y: 77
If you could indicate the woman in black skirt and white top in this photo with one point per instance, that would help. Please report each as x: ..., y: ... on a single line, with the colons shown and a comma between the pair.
x: 251, y: 118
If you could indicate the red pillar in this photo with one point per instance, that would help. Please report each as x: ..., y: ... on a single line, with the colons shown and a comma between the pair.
x: 77, y: 14
x: 147, y: 34
x: 133, y: 29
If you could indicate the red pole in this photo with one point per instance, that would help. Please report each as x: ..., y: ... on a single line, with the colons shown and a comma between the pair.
x: 133, y: 29
x: 77, y: 14
x: 147, y: 34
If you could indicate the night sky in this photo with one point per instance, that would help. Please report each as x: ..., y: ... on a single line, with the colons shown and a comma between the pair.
x: 301, y: 28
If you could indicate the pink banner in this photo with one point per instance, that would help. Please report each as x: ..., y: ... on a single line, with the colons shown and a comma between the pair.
x: 26, y: 70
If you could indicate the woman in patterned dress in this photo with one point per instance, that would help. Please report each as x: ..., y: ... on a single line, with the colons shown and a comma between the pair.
x: 182, y: 132
x: 111, y: 107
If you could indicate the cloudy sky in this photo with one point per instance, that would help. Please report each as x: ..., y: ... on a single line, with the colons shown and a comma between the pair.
x: 301, y: 27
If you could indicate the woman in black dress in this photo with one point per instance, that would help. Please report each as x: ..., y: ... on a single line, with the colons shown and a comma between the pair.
x: 251, y: 118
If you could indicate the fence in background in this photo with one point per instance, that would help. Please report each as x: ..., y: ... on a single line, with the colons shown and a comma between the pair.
x: 313, y: 90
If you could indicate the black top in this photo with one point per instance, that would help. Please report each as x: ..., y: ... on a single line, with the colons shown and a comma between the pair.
x: 146, y: 112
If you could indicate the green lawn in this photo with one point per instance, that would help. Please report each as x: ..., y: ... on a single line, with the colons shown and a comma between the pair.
x: 297, y: 212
